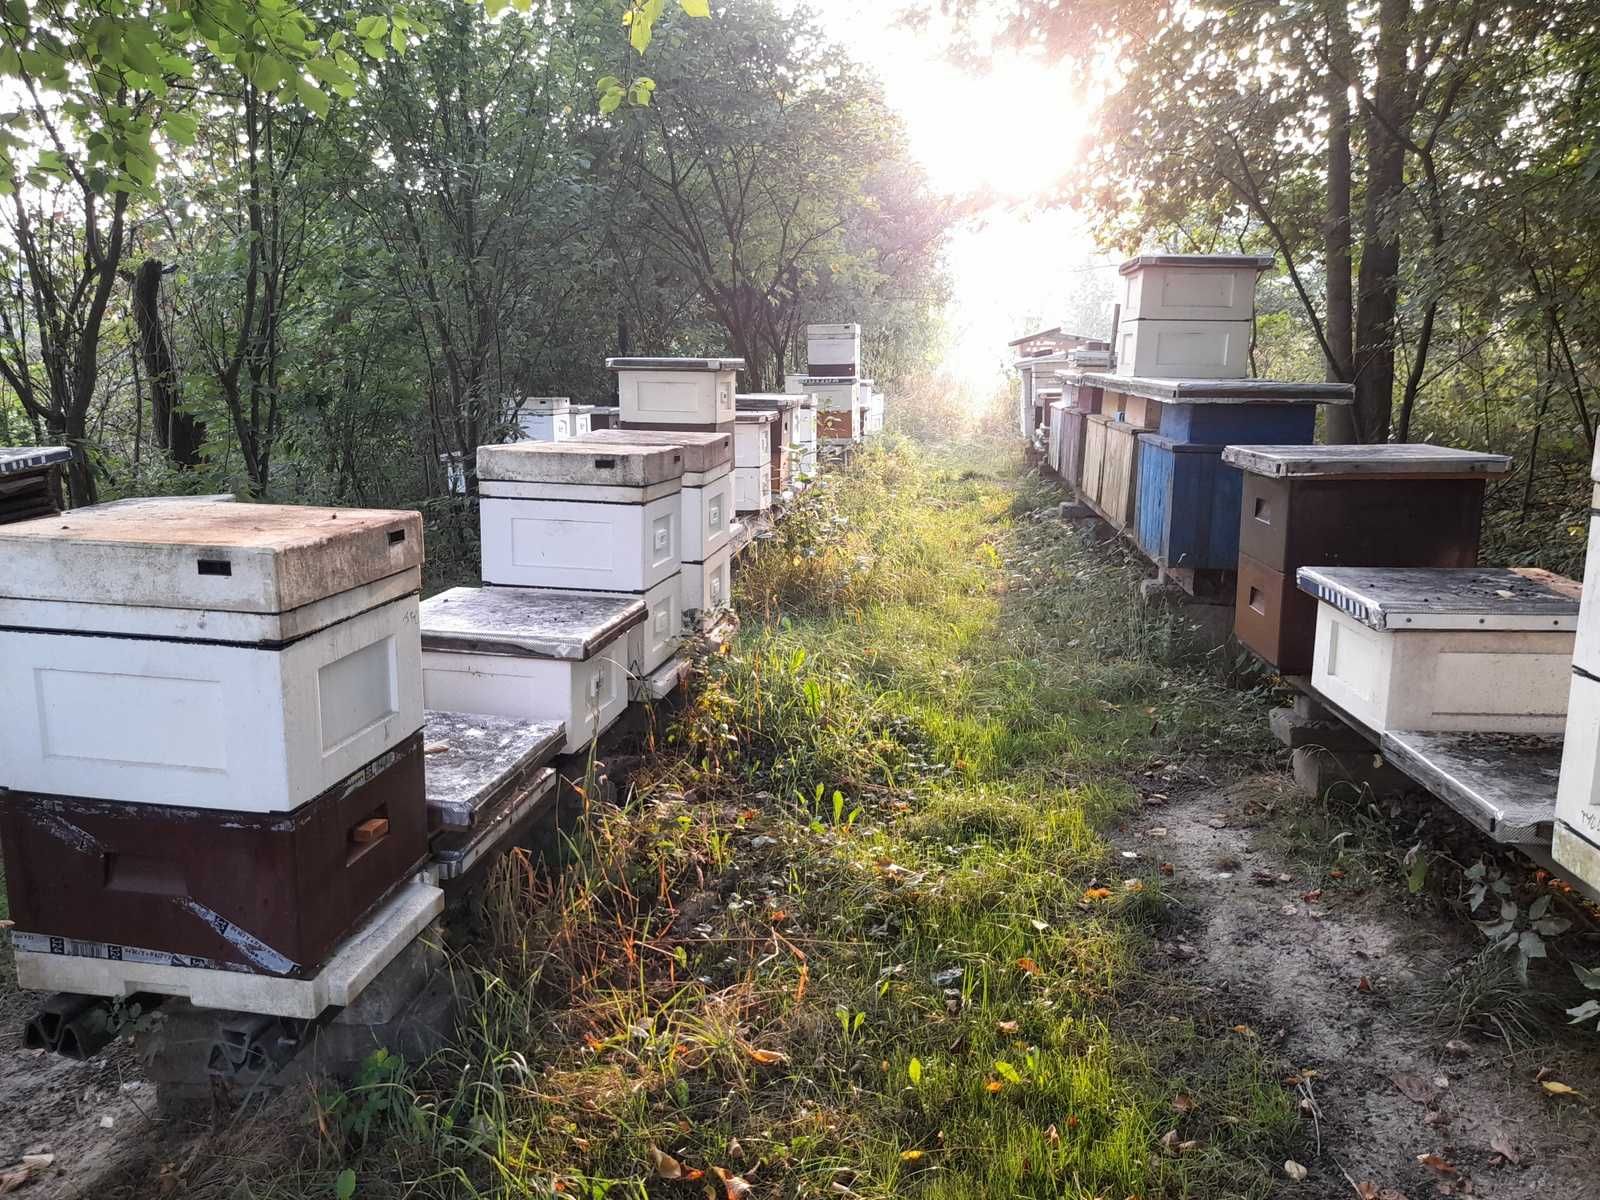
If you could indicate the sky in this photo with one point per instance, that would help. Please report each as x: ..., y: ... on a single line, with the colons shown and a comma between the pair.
x: 1013, y: 131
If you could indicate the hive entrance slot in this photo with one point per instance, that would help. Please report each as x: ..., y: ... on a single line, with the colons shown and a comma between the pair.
x: 396, y: 536
x: 145, y: 875
x: 367, y: 833
x: 605, y: 464
x: 214, y: 566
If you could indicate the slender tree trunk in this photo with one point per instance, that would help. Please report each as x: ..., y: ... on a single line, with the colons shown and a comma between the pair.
x: 1378, y: 297
x: 175, y: 431
x: 1339, y: 302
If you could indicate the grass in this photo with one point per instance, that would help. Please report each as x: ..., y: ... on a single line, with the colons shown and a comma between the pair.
x: 857, y: 930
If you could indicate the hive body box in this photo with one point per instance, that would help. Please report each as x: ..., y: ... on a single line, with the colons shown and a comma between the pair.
x: 1082, y: 398
x: 1187, y: 504
x: 1056, y: 445
x: 1410, y: 648
x: 1577, y: 827
x: 695, y: 393
x: 30, y: 481
x: 1094, y: 455
x: 706, y: 496
x: 833, y: 349
x: 271, y: 893
x: 1382, y: 506
x: 237, y: 657
x: 805, y: 438
x: 547, y: 419
x: 580, y: 516
x: 1187, y: 315
x: 782, y: 408
x: 708, y: 588
x: 532, y: 654
x: 1119, y: 475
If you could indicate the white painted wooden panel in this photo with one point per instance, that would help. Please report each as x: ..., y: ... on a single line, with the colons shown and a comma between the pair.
x: 707, y: 514
x: 1577, y: 835
x: 218, y: 727
x: 1190, y: 294
x: 805, y: 426
x: 588, y: 696
x: 581, y: 546
x: 752, y: 443
x: 675, y: 397
x: 1443, y: 680
x: 538, y: 425
x: 708, y: 587
x: 752, y: 488
x: 657, y: 639
x: 1586, y: 651
x: 1183, y: 349
x: 840, y: 396
x: 832, y: 346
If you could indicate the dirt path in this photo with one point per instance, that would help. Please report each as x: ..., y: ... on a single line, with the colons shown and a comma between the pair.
x: 1328, y: 976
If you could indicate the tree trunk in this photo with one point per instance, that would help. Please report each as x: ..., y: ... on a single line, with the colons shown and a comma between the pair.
x: 1340, y: 302
x: 1378, y: 297
x: 176, y: 431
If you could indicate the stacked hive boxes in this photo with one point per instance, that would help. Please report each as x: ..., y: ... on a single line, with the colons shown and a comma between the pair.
x: 754, y: 435
x: 787, y: 409
x: 676, y: 393
x: 1577, y: 829
x: 833, y: 376
x: 584, y: 517
x: 1337, y: 506
x: 706, y: 509
x: 1188, y: 316
x: 806, y: 435
x: 30, y: 481
x: 212, y: 732
x: 550, y: 419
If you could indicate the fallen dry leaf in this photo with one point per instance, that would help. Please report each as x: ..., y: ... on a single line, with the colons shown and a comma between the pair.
x: 436, y: 747
x: 663, y: 1164
x: 994, y: 1086
x: 1097, y: 893
x: 1183, y: 1103
x: 1502, y: 1146
x: 1364, y: 984
x: 1435, y: 1163
x: 1244, y: 1029
x: 735, y: 1150
x: 911, y: 1155
x: 1028, y: 965
x: 766, y: 1058
x: 1557, y: 1088
x: 1007, y: 1027
x: 1413, y: 1087
x: 1336, y: 873
x: 37, y: 1162
x: 1169, y: 1141
x: 10, y: 1181
x: 735, y: 1187
x: 1295, y: 1171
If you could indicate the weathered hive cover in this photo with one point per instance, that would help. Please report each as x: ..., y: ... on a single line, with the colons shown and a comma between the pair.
x: 1410, y: 598
x: 1222, y: 391
x: 582, y: 463
x: 1260, y: 262
x: 701, y: 451
x: 527, y: 622
x: 197, y: 553
x: 544, y: 404
x: 14, y: 460
x: 675, y: 364
x: 1332, y: 461
x: 472, y: 759
x: 767, y: 401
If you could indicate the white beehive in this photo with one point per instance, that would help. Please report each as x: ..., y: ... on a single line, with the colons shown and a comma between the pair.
x: 833, y: 349
x: 752, y: 440
x: 706, y: 498
x: 529, y: 653
x: 1183, y: 349
x: 676, y: 391
x: 1443, y: 649
x: 579, y: 515
x: 545, y: 418
x: 238, y: 657
x: 658, y: 636
x: 708, y: 587
x: 1577, y: 828
x: 795, y: 385
x: 834, y: 394
x: 1191, y: 287
x: 752, y: 488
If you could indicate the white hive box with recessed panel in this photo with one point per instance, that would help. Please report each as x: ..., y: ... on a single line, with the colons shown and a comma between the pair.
x: 1444, y: 649
x: 708, y: 588
x: 530, y: 653
x: 546, y: 418
x: 1183, y: 349
x: 240, y: 657
x: 706, y: 498
x: 833, y: 349
x: 1577, y: 826
x: 752, y: 489
x: 666, y: 392
x: 1191, y: 287
x: 578, y: 515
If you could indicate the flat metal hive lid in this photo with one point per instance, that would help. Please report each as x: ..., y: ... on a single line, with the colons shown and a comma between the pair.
x: 1222, y: 391
x: 198, y: 553
x: 14, y: 460
x: 470, y: 757
x: 770, y: 401
x: 1504, y: 783
x: 701, y: 451
x: 582, y: 463
x: 675, y: 364
x: 1260, y: 262
x: 832, y: 330
x: 760, y: 416
x: 1412, y: 458
x: 830, y: 380
x: 1412, y: 598
x: 526, y: 622
x: 533, y: 404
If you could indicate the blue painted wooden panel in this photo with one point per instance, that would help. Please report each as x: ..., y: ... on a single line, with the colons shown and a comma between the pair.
x: 1188, y: 504
x: 1240, y: 424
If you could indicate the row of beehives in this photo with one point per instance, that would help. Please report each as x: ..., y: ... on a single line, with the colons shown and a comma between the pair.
x: 231, y: 736
x: 1353, y: 565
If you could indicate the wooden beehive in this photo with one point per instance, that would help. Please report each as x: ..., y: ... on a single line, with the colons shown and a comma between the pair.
x: 1188, y: 505
x: 705, y: 508
x: 833, y: 350
x: 1119, y: 476
x: 30, y: 481
x: 693, y: 393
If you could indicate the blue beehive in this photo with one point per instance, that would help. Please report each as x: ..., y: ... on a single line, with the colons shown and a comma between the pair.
x: 1223, y: 424
x: 1188, y: 506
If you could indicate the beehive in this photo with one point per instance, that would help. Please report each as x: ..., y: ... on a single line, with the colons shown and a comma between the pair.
x: 694, y: 393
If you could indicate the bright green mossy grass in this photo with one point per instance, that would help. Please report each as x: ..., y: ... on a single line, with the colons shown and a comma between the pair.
x: 858, y: 931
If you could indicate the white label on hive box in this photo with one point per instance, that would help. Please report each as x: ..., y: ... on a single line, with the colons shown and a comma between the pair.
x: 357, y: 692
x: 571, y: 545
x: 169, y: 721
